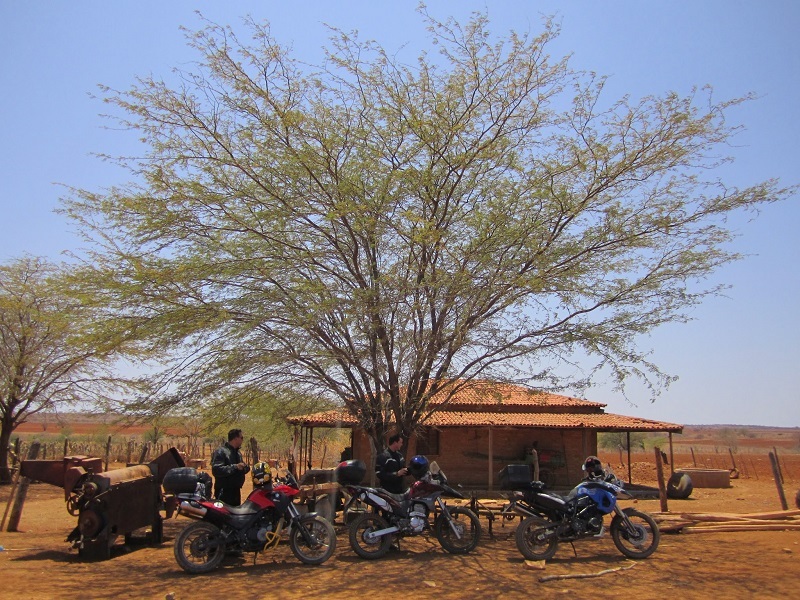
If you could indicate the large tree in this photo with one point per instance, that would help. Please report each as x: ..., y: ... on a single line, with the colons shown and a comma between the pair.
x: 378, y: 232
x: 50, y: 352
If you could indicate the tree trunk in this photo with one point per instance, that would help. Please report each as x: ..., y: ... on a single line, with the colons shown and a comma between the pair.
x: 5, y: 438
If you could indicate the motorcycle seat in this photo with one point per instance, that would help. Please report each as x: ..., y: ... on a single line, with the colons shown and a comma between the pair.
x: 399, y: 498
x: 247, y: 508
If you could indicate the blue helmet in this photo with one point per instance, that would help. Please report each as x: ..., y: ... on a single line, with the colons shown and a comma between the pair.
x: 418, y: 466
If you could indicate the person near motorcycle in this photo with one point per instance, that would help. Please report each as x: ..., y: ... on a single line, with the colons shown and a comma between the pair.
x: 229, y: 469
x: 390, y: 466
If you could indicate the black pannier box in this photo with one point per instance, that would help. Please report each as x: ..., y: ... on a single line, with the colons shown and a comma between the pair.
x: 514, y: 477
x: 184, y: 480
x: 351, y: 472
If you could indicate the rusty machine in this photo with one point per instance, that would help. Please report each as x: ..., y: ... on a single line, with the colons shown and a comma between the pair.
x: 108, y: 504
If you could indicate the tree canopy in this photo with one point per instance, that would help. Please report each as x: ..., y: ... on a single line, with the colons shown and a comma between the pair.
x: 375, y: 232
x: 50, y: 352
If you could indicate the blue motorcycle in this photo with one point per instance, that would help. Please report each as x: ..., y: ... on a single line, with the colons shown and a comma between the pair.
x: 549, y: 518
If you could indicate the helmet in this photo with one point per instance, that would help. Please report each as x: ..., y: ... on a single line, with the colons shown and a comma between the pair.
x: 418, y: 466
x: 592, y: 467
x: 262, y: 475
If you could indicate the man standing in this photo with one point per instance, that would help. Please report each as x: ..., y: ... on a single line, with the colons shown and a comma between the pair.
x: 390, y: 466
x: 229, y: 469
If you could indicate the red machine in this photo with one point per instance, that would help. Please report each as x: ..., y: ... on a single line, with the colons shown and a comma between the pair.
x: 107, y: 504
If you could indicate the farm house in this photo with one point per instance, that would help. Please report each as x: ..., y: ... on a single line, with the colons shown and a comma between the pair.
x: 489, y: 425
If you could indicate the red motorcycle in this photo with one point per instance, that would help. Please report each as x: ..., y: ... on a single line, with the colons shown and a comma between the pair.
x: 255, y: 526
x: 458, y: 529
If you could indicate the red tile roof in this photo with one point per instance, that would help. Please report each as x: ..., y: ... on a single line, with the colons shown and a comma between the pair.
x: 447, y: 418
x: 485, y: 404
x: 482, y: 393
x: 599, y: 421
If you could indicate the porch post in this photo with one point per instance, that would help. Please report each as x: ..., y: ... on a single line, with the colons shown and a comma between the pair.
x: 671, y: 457
x: 630, y: 477
x: 310, y: 445
x: 301, y: 466
x: 491, y: 460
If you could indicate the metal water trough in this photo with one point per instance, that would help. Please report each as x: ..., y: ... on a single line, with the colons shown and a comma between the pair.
x: 108, y: 504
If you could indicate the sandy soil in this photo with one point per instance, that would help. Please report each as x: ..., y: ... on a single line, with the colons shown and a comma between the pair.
x: 37, y: 563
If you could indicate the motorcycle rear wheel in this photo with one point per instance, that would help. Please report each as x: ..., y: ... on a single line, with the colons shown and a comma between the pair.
x: 359, y: 531
x: 643, y: 542
x: 323, y: 534
x: 534, y: 540
x: 466, y: 522
x: 199, y: 548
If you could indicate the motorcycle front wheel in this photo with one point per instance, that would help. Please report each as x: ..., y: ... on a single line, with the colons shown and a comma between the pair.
x: 199, y: 548
x: 360, y: 536
x: 461, y: 534
x: 312, y: 540
x: 534, y: 540
x: 642, y: 541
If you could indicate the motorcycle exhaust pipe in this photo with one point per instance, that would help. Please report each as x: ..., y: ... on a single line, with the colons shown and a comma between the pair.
x: 372, y: 535
x: 191, y: 510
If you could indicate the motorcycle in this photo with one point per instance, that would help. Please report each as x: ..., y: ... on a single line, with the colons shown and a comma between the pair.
x: 255, y: 526
x: 549, y: 518
x: 457, y: 529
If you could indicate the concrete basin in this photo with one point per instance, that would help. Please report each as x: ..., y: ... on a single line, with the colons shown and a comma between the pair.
x: 708, y: 478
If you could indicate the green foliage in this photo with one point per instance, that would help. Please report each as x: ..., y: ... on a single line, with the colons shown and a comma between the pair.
x: 612, y: 440
x: 640, y: 441
x: 375, y: 233
x: 52, y: 351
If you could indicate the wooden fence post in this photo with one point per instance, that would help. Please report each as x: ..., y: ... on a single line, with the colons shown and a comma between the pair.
x: 254, y: 450
x: 145, y: 452
x: 21, y: 491
x: 662, y: 488
x: 777, y: 473
x: 108, y: 452
x: 18, y: 450
x: 777, y: 464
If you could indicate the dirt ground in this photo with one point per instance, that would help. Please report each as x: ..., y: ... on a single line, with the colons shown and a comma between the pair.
x: 37, y: 563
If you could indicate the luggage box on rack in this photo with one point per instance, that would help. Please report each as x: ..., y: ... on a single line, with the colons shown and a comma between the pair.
x: 514, y: 477
x: 351, y: 472
x: 184, y: 480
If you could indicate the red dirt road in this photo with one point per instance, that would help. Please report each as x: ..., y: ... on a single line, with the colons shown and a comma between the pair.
x: 37, y: 562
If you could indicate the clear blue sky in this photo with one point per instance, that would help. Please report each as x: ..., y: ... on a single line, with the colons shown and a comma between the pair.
x: 738, y: 361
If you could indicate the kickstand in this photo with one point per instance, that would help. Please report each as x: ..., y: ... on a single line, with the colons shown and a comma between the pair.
x: 575, y: 552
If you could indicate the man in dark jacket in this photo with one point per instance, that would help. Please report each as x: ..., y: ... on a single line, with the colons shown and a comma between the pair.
x: 229, y: 469
x: 390, y: 466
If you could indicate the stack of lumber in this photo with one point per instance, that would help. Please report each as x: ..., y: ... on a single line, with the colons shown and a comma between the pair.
x: 707, y: 523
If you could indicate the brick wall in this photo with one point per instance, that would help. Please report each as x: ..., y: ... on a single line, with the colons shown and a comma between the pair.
x: 464, y: 453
